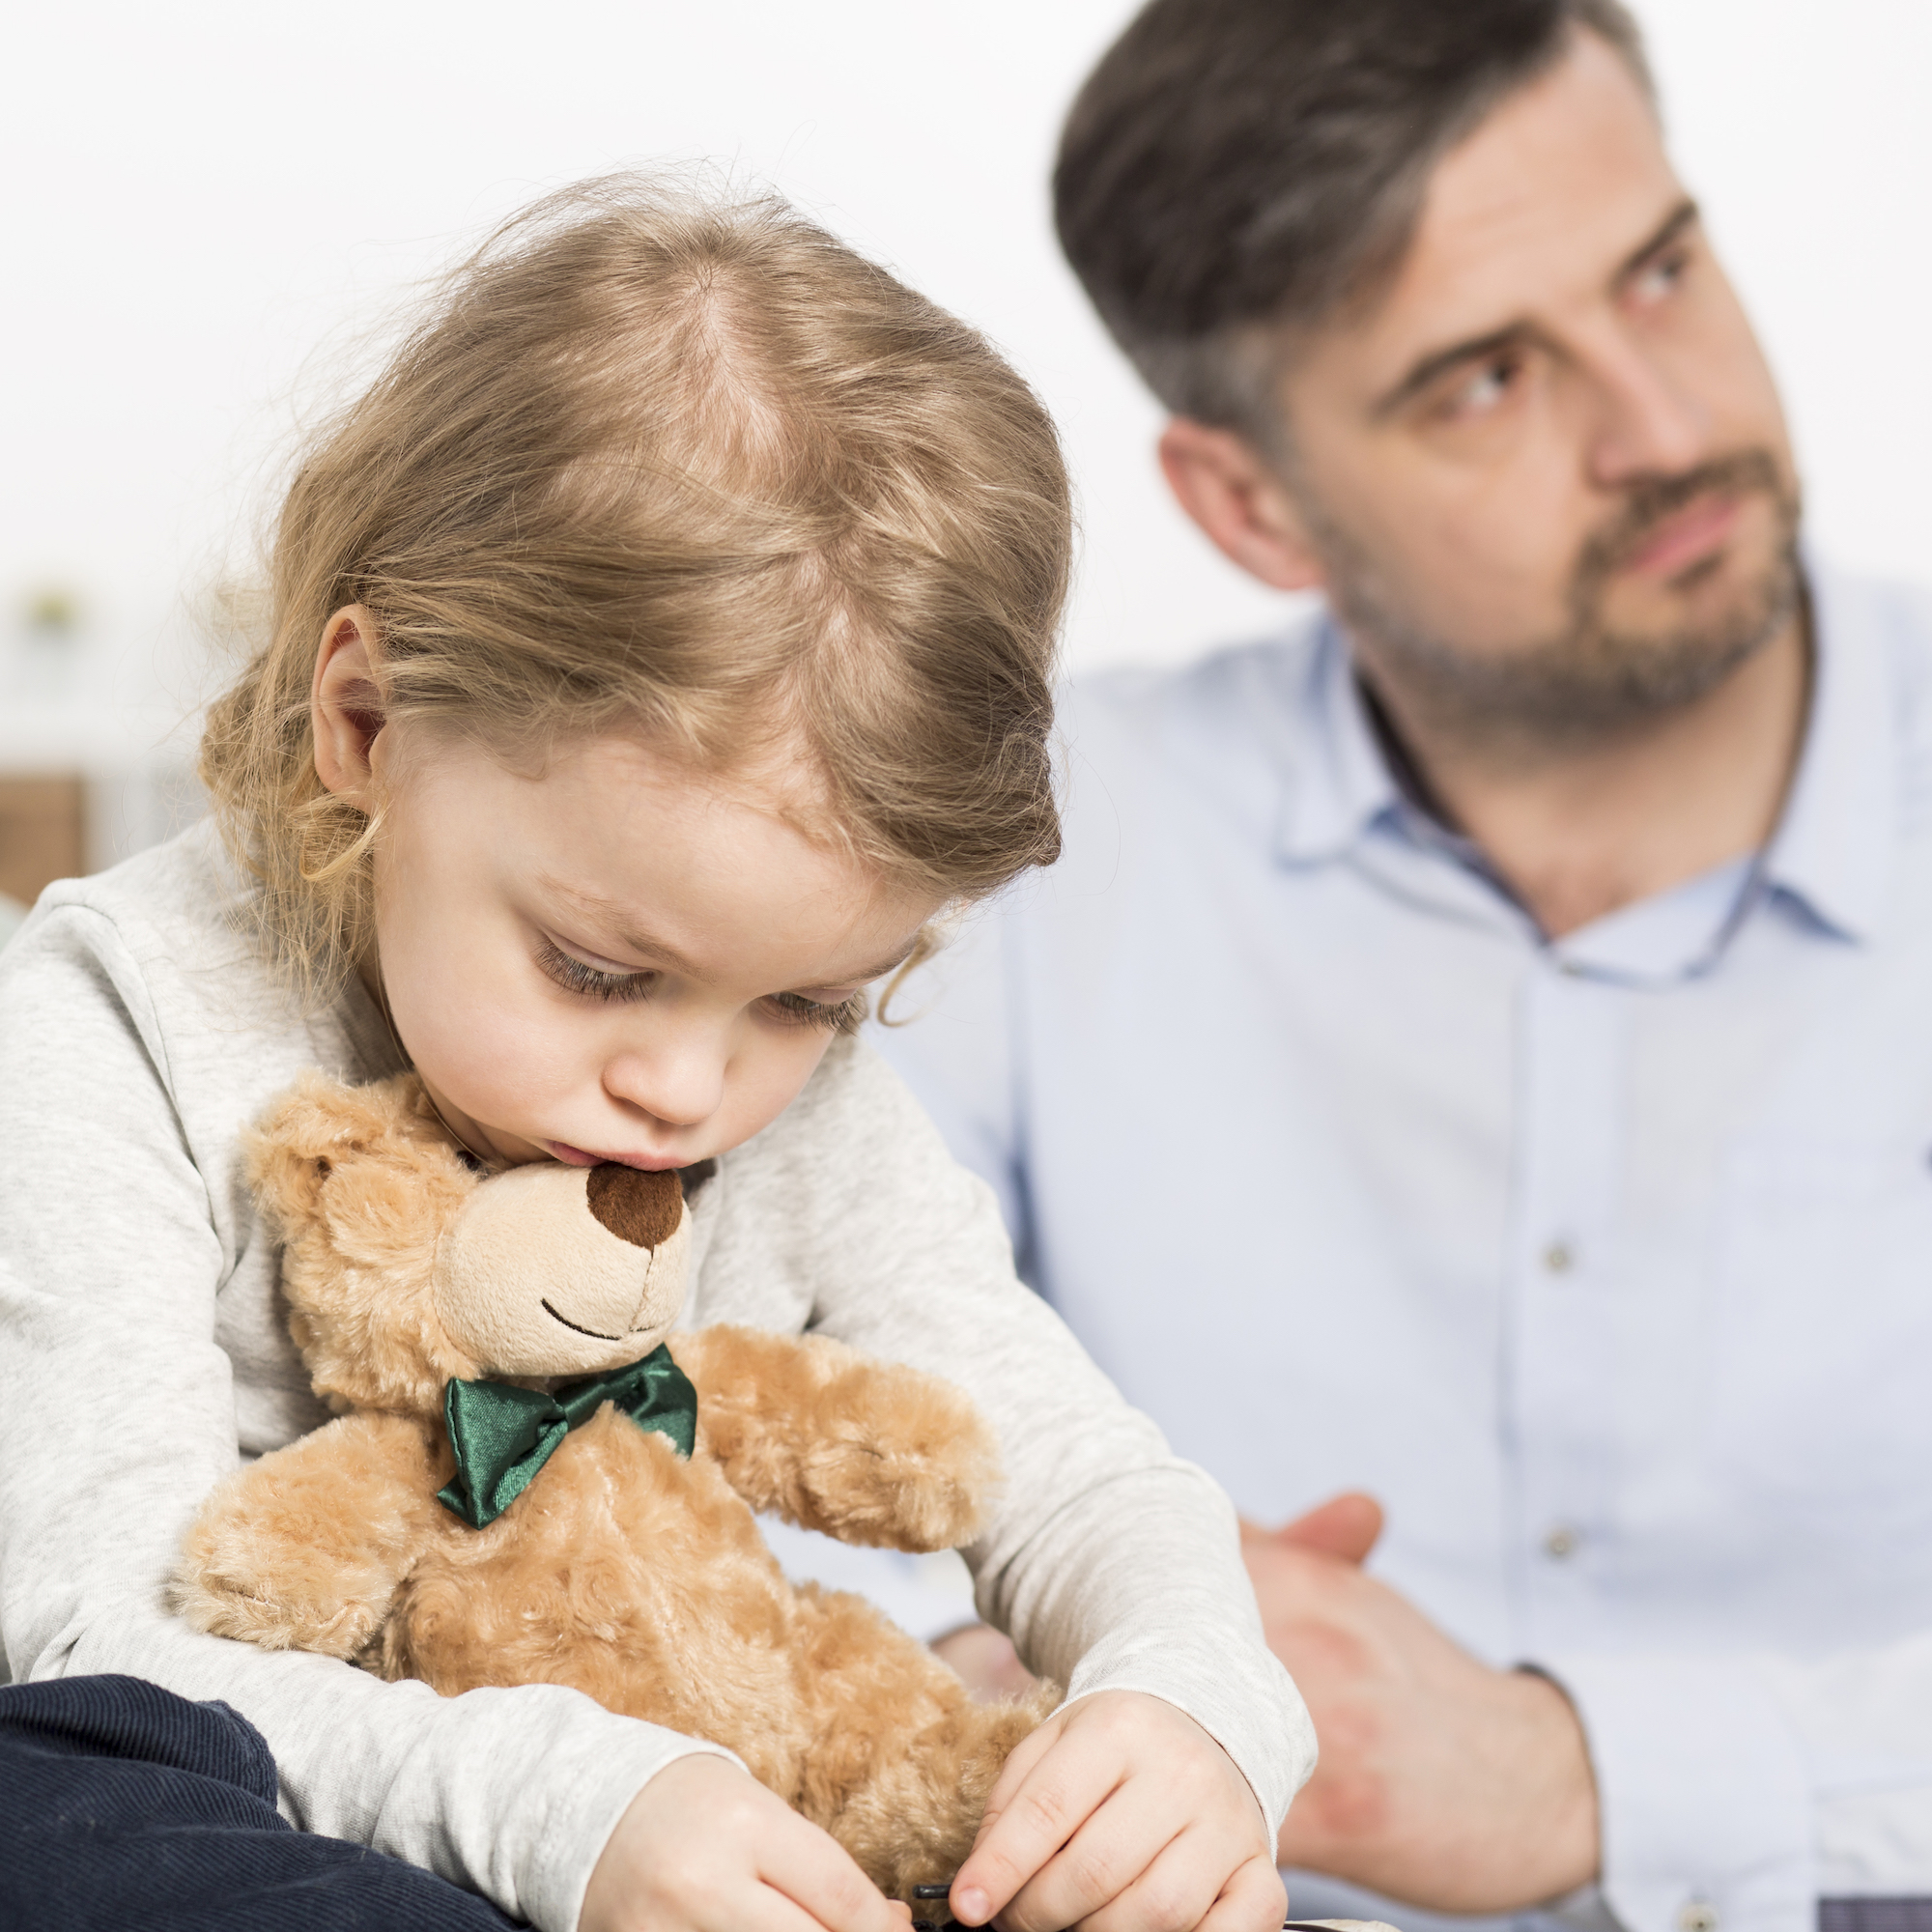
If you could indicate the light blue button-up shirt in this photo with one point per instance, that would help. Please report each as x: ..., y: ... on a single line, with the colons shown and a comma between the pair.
x: 1607, y: 1264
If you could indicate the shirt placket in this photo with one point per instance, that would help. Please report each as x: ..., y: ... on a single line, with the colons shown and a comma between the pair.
x: 1560, y: 1369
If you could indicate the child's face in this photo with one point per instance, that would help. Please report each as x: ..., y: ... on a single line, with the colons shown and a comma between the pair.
x: 620, y: 959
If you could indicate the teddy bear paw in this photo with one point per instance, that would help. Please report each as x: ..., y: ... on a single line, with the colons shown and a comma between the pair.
x: 241, y: 1599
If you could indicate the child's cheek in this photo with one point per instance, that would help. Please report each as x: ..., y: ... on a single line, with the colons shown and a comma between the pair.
x: 475, y: 1030
x: 766, y: 1081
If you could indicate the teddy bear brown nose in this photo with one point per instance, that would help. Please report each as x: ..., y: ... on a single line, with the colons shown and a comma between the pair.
x: 636, y: 1205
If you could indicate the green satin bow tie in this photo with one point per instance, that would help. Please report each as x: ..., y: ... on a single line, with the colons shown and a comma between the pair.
x: 502, y: 1436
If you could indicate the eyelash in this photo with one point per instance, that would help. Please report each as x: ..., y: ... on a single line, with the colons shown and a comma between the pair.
x: 795, y: 1009
x: 791, y: 1008
x: 1673, y: 266
x: 575, y: 977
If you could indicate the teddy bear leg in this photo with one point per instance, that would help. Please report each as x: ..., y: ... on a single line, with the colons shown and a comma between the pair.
x: 904, y: 1758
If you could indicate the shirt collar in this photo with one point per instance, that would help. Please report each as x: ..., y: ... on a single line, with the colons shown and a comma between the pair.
x: 1835, y: 845
x: 1339, y: 783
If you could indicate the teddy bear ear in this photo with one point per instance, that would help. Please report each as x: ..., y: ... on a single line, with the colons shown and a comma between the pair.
x: 319, y: 1124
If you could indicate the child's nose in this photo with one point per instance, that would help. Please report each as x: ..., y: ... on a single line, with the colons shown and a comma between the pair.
x: 680, y: 1085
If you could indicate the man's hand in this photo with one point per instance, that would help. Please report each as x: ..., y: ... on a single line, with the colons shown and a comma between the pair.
x: 1442, y: 1782
x: 706, y: 1848
x: 1120, y: 1814
x: 985, y: 1660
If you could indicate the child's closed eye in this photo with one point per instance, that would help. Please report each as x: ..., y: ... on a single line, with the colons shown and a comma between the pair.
x: 596, y: 982
x: 591, y: 982
x: 845, y: 1015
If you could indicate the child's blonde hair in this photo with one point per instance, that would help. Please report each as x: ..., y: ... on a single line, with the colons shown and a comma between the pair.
x: 664, y: 462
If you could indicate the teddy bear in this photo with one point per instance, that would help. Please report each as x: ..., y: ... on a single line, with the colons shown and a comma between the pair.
x: 532, y: 1479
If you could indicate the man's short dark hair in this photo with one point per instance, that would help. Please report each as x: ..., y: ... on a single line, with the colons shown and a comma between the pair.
x: 1240, y: 163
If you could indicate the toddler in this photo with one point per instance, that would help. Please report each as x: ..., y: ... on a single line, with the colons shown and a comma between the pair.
x: 655, y: 649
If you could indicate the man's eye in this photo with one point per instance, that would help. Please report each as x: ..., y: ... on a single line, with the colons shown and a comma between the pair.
x: 840, y: 1016
x: 1657, y: 280
x: 1486, y: 388
x: 589, y: 981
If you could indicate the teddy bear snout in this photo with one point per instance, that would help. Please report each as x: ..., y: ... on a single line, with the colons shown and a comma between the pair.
x: 556, y: 1270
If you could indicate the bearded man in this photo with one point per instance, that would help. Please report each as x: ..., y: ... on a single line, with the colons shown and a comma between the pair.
x: 1475, y: 1058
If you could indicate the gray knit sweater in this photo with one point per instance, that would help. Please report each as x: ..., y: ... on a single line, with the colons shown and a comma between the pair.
x: 142, y: 1352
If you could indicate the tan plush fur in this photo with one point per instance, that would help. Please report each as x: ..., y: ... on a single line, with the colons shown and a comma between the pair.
x: 623, y: 1570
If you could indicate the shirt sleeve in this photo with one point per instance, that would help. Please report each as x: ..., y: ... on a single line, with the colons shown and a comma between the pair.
x: 948, y: 1035
x: 1739, y: 1790
x: 1112, y: 1563
x: 120, y: 1410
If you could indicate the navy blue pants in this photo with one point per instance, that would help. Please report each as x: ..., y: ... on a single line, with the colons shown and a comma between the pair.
x: 123, y: 1805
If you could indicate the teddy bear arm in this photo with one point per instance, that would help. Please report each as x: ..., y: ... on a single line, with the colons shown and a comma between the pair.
x: 304, y: 1550
x: 866, y: 1451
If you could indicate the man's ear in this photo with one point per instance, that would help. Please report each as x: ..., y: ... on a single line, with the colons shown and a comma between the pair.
x: 1239, y: 503
x: 345, y: 705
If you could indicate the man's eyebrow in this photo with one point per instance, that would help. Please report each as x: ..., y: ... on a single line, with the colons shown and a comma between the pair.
x: 1685, y: 214
x: 1439, y: 361
x: 1474, y: 347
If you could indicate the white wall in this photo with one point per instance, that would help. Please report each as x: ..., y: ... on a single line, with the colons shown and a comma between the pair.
x: 199, y: 196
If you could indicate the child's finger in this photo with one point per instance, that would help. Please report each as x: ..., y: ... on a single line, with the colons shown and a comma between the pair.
x: 768, y: 1911
x: 1253, y: 1901
x: 785, y: 1913
x: 1174, y: 1893
x: 1120, y: 1878
x: 1131, y: 1867
x: 1046, y: 1803
x: 1021, y: 1761
x: 816, y: 1877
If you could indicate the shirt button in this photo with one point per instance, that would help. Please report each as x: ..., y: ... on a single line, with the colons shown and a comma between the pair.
x: 1697, y: 1914
x: 1559, y: 1543
x: 1559, y: 1258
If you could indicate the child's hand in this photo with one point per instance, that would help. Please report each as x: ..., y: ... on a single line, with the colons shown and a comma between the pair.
x: 706, y: 1848
x: 1122, y: 1814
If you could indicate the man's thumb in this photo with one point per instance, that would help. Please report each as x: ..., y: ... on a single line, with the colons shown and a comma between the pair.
x: 1345, y: 1526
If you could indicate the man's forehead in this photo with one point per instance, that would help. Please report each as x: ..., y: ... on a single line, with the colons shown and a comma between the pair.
x: 1539, y: 207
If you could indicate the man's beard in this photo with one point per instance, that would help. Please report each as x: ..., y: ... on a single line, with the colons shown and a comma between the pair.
x: 1589, y: 681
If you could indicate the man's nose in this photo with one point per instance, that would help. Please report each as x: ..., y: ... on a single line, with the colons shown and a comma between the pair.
x: 1648, y: 424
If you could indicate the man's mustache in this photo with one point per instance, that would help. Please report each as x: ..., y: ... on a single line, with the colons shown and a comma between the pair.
x: 1653, y: 500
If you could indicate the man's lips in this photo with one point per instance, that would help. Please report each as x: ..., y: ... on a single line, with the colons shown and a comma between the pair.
x: 575, y: 1157
x: 1688, y: 537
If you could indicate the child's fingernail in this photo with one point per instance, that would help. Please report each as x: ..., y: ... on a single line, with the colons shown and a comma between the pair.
x: 970, y: 1905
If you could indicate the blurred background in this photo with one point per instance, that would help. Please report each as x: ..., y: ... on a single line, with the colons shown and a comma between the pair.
x: 214, y: 206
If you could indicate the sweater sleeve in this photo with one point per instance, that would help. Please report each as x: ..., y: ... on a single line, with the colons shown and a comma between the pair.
x: 1113, y: 1564
x: 120, y: 1416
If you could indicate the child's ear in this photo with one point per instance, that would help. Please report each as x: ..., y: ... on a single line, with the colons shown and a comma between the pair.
x: 318, y: 1125
x: 345, y: 705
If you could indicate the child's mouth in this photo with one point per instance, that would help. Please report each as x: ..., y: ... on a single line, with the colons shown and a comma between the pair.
x: 577, y: 1156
